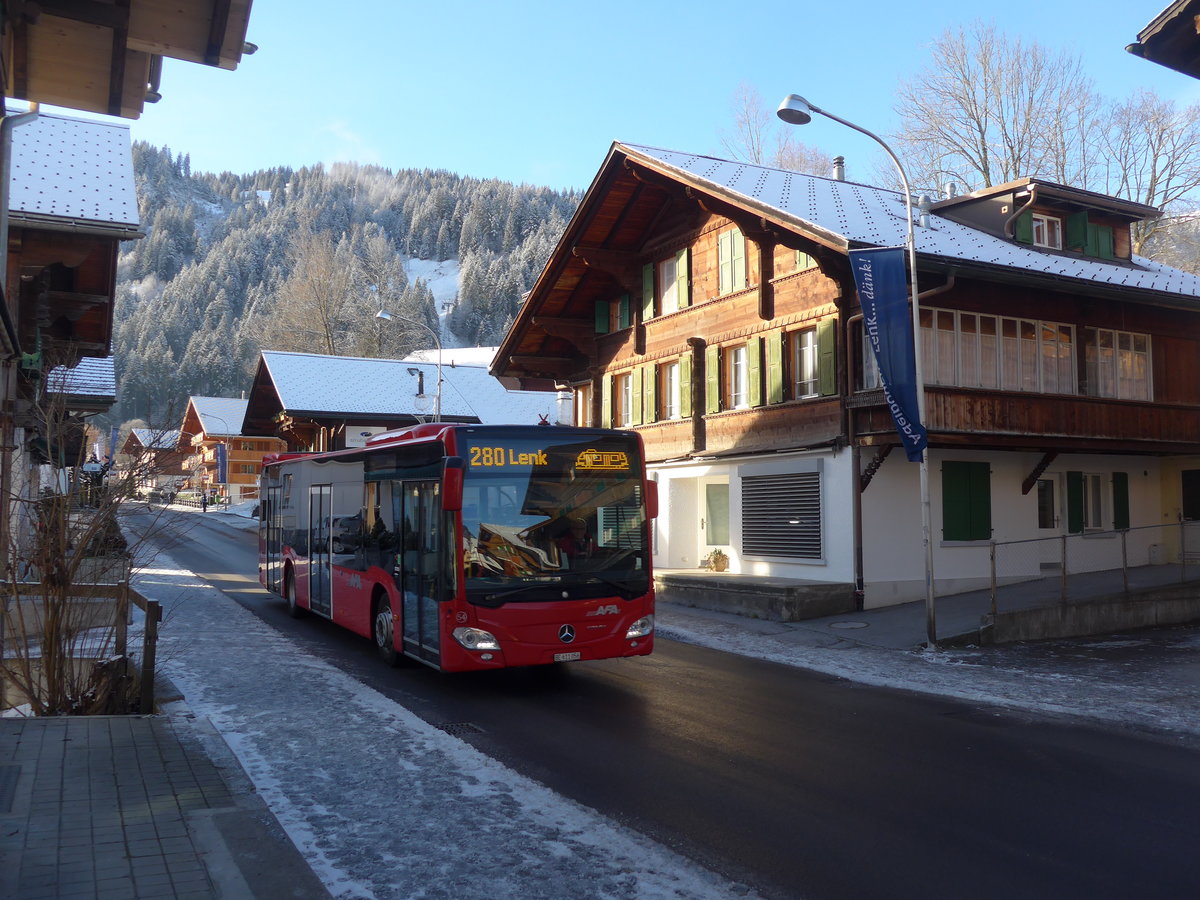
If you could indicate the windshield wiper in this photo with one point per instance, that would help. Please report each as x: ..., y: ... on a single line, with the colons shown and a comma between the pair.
x: 496, y: 599
x: 623, y: 590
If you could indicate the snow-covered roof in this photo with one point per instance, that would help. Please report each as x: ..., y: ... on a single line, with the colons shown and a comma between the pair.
x: 156, y: 439
x: 220, y: 415
x: 858, y: 214
x: 90, y: 378
x: 77, y: 170
x: 343, y: 385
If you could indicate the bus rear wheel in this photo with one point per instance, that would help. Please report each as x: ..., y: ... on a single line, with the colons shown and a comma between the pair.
x: 289, y: 593
x: 385, y: 630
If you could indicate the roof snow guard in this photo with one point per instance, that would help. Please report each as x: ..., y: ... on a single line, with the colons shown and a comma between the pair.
x: 853, y: 215
x: 75, y: 175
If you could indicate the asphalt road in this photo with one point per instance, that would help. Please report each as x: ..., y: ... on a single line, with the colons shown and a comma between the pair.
x: 795, y: 783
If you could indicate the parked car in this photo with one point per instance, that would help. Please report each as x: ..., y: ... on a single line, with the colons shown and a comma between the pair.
x: 347, y: 534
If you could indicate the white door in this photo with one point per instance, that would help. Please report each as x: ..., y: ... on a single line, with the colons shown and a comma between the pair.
x: 1051, y: 500
x: 714, y: 515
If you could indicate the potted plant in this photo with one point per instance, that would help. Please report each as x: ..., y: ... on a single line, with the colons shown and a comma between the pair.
x: 717, y: 560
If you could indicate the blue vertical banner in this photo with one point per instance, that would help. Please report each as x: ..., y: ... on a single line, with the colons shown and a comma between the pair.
x: 879, y: 275
x: 222, y: 464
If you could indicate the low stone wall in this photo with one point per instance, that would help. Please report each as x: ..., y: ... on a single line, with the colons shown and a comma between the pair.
x: 756, y: 597
x: 1151, y: 609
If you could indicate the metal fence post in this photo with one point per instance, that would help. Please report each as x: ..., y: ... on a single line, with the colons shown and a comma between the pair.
x: 1125, y: 561
x: 993, y: 565
x: 1063, y: 594
x: 149, y: 649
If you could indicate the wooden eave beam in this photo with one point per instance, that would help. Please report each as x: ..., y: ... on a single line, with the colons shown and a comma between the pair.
x: 618, y: 265
x: 579, y: 332
x: 1047, y: 458
x: 544, y: 365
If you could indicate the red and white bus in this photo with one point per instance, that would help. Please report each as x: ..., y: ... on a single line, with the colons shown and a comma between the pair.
x: 469, y: 546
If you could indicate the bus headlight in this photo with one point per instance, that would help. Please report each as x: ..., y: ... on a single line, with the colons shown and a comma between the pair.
x: 640, y: 628
x: 476, y: 639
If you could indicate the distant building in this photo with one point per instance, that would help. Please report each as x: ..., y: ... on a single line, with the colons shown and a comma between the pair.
x: 222, y: 459
x: 331, y: 402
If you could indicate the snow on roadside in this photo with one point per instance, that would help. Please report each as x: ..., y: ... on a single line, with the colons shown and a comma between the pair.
x: 381, y: 803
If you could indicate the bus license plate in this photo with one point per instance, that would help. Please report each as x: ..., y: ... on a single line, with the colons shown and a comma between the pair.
x: 567, y: 657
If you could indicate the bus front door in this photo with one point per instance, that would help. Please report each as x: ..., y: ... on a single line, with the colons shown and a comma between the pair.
x: 420, y: 561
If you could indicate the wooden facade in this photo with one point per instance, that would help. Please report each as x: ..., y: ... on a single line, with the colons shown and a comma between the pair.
x: 663, y: 278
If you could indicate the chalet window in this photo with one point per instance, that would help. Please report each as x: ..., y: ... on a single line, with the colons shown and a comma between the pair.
x: 669, y: 376
x: 804, y: 261
x: 1089, y: 505
x: 1047, y: 231
x: 803, y: 362
x: 971, y: 350
x: 666, y: 285
x: 966, y: 501
x: 731, y: 261
x: 1118, y: 364
x: 582, y: 414
x: 781, y: 515
x: 248, y: 445
x: 868, y: 369
x: 613, y: 315
x: 623, y: 401
x: 246, y: 468
x: 737, y: 378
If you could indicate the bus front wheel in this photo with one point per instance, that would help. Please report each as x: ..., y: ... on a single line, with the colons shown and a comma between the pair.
x: 385, y: 624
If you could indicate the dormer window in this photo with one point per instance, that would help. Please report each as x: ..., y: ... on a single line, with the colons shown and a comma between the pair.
x: 1047, y: 232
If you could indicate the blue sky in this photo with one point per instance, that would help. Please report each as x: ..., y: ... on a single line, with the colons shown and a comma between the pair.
x: 535, y: 92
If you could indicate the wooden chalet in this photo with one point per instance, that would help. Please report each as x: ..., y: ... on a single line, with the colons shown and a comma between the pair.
x: 58, y: 272
x: 222, y: 459
x: 160, y: 460
x: 318, y: 403
x: 709, y: 305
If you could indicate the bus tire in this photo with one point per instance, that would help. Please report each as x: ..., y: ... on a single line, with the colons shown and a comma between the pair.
x: 383, y: 628
x: 289, y: 594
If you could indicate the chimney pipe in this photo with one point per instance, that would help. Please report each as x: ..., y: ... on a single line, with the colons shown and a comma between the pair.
x: 839, y: 168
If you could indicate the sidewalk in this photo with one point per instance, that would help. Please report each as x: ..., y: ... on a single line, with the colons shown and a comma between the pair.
x: 127, y: 807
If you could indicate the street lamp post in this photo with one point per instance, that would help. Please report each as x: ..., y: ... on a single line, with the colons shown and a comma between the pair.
x: 437, y: 396
x: 795, y: 110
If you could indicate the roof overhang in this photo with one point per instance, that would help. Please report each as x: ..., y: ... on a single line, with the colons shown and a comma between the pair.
x: 106, y: 57
x: 1173, y: 38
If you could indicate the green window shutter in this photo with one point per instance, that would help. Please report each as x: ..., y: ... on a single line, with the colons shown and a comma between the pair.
x: 1104, y: 243
x: 739, y: 259
x: 1023, y: 228
x: 724, y: 276
x: 754, y: 371
x: 1077, y: 230
x: 683, y: 276
x: 606, y: 401
x: 601, y: 317
x: 827, y: 357
x: 775, y: 366
x: 635, y: 396
x: 1120, y: 496
x: 1075, y: 502
x: 623, y: 316
x: 685, y: 386
x: 712, y: 379
x: 966, y: 501
x: 650, y: 394
x: 647, y: 292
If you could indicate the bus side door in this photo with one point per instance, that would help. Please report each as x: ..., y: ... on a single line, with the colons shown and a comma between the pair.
x: 423, y: 545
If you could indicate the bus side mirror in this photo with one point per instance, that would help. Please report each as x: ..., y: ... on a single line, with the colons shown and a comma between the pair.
x: 452, y: 483
x: 652, y: 499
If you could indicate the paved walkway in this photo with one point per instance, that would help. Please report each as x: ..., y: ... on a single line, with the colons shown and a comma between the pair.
x: 133, y: 807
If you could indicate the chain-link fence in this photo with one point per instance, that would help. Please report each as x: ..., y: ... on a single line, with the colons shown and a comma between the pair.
x: 1074, y: 567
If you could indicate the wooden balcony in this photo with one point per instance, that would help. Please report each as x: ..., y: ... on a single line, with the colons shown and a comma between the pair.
x: 1038, y: 422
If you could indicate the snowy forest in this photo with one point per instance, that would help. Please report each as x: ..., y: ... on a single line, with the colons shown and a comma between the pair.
x: 302, y: 260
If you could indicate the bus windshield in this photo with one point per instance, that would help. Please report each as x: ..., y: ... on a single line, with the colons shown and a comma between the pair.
x: 539, y: 515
